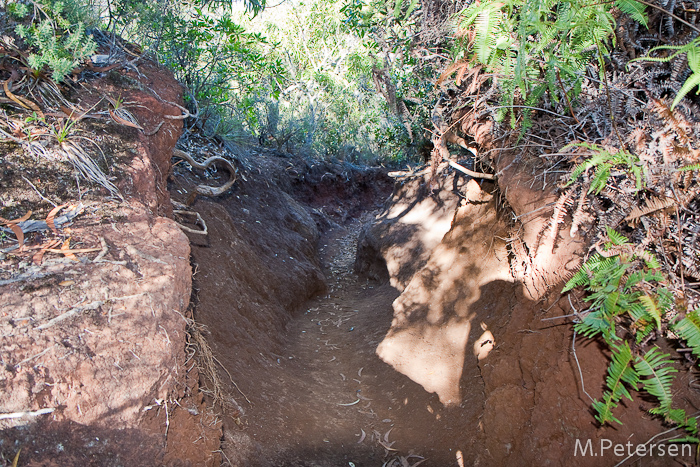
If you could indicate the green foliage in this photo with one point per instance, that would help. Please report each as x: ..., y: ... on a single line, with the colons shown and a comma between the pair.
x: 689, y: 329
x: 17, y: 10
x: 628, y: 300
x: 603, y: 160
x: 620, y: 374
x: 57, y: 36
x: 225, y: 67
x: 655, y: 367
x: 390, y: 32
x: 689, y: 168
x: 538, y: 46
x: 692, y: 49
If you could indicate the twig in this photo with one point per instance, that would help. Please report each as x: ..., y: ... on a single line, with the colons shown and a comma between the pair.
x: 98, y: 258
x: 694, y: 28
x: 548, y: 205
x: 471, y: 173
x: 650, y: 440
x: 566, y: 96
x: 39, y: 193
x: 74, y: 310
x: 23, y: 277
x: 231, y: 378
x: 167, y: 422
x: 34, y: 356
x: 155, y: 130
x: 558, y: 317
x: 573, y: 348
x: 204, y: 230
x: 5, y: 416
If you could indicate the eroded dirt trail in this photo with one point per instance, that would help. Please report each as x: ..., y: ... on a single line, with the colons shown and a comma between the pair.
x: 331, y: 401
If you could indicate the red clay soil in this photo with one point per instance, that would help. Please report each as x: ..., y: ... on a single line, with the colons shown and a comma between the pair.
x: 95, y: 345
x: 444, y: 351
x: 451, y: 365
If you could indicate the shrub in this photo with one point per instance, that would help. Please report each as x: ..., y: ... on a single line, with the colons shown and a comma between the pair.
x: 57, y: 35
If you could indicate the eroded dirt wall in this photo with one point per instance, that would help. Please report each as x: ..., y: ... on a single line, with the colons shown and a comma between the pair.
x: 94, y: 344
x: 472, y: 325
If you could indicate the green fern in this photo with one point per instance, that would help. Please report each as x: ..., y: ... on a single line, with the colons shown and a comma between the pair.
x: 486, y: 32
x: 652, y: 310
x: 689, y: 329
x: 692, y: 49
x: 655, y: 366
x: 690, y: 424
x: 634, y: 10
x: 689, y: 168
x: 624, y: 291
x: 615, y: 237
x: 602, y: 160
x: 582, y: 276
x: 620, y: 375
x: 534, y: 46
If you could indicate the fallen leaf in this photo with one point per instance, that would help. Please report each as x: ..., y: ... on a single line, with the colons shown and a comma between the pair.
x: 50, y: 218
x: 18, y: 233
x: 123, y: 121
x: 65, y: 249
x: 39, y: 255
x: 16, y: 221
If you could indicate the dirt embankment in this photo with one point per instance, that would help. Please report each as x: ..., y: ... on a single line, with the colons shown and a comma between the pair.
x: 93, y: 345
x: 475, y: 325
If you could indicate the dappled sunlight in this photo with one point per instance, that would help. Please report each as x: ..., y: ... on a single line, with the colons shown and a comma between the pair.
x: 434, y: 224
x: 416, y: 229
x: 433, y: 318
x: 432, y: 356
x: 484, y: 344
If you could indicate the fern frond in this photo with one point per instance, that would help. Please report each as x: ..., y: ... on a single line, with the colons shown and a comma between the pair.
x: 692, y: 82
x: 680, y: 418
x: 595, y: 322
x: 594, y: 263
x: 652, y: 310
x: 689, y: 167
x: 651, y: 261
x: 689, y: 329
x: 600, y: 179
x: 620, y: 375
x: 634, y: 9
x: 655, y: 366
x: 651, y: 205
x: 616, y: 238
x: 486, y: 23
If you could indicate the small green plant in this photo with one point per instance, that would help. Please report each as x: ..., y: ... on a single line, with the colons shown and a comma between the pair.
x: 59, y: 38
x: 603, y: 161
x: 62, y: 129
x: 628, y: 304
x: 692, y: 49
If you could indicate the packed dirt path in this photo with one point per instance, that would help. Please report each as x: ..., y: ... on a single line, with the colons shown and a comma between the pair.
x: 332, y: 401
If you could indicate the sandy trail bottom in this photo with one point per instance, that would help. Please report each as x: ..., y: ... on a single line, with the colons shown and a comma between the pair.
x: 331, y: 401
